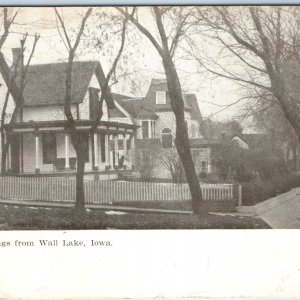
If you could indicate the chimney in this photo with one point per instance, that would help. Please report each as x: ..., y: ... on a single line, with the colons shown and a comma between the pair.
x: 17, y: 57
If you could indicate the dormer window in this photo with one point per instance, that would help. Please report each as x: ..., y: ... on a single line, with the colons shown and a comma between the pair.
x: 161, y: 97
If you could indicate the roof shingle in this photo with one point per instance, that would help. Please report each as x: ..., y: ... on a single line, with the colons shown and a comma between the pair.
x: 45, y: 84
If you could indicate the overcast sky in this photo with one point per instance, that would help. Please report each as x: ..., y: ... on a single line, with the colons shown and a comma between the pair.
x: 212, y: 93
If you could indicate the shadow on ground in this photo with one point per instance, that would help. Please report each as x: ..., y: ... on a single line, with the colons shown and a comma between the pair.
x: 14, y: 217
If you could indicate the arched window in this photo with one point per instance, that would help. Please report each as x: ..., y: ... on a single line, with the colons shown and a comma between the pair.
x: 166, y: 138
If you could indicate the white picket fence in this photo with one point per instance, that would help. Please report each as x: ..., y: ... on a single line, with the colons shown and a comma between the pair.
x: 52, y: 189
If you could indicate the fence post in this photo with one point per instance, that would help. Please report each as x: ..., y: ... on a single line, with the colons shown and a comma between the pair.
x: 240, y: 194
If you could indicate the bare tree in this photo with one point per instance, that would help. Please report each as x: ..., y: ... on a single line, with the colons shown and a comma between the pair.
x: 14, y: 77
x: 166, y: 45
x: 172, y: 163
x: 264, y: 44
x: 77, y: 137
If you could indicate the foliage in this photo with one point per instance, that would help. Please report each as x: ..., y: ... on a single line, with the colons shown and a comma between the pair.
x: 145, y: 163
x: 262, y: 162
x: 262, y: 49
x: 255, y: 192
x: 171, y: 161
x: 269, y: 118
x: 220, y: 130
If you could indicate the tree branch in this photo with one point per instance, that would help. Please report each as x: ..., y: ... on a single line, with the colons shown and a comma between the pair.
x: 234, y: 34
x: 62, y: 23
x: 6, y: 25
x: 142, y: 29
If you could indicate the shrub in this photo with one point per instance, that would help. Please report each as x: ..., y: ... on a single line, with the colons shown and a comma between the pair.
x: 255, y: 192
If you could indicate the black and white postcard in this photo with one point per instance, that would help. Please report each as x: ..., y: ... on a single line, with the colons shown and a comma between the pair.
x: 137, y: 142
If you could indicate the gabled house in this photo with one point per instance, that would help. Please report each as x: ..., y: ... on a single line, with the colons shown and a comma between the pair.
x: 156, y: 134
x: 249, y: 140
x: 40, y: 135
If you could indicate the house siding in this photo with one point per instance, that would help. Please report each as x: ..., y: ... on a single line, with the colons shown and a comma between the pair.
x: 167, y: 120
x: 46, y: 113
x: 84, y: 108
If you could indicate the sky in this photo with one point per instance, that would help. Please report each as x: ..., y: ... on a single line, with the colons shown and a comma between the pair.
x: 212, y: 93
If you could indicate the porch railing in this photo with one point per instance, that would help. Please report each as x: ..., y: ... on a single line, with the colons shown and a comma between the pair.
x: 49, y: 189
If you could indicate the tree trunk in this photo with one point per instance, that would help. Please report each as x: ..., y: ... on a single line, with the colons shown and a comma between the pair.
x: 4, y: 147
x: 182, y: 140
x: 80, y: 199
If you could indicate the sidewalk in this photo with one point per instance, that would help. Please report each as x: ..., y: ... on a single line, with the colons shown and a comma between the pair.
x: 93, y: 206
x: 281, y: 212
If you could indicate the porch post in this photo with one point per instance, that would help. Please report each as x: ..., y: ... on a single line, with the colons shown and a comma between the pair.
x: 37, y: 152
x: 107, y: 150
x: 99, y: 151
x: 124, y: 144
x: 132, y: 144
x: 116, y: 149
x: 132, y: 149
x: 67, y: 152
x: 9, y: 157
x: 208, y: 160
x: 96, y: 153
x: 149, y: 129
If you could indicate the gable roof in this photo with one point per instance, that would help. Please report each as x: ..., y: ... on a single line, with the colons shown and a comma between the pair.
x: 251, y: 139
x: 137, y: 108
x: 150, y: 98
x: 45, y: 83
x: 191, y: 99
x: 145, y: 108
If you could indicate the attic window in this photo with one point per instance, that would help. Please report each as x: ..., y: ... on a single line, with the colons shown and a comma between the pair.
x: 161, y: 97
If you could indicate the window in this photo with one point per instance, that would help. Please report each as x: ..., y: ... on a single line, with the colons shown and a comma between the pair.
x: 161, y: 97
x: 128, y: 142
x: 153, y: 129
x: 49, y: 148
x: 194, y: 130
x: 166, y: 138
x: 204, y: 166
x: 145, y: 129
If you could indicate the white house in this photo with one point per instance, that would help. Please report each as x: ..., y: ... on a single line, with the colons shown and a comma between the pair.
x: 40, y: 135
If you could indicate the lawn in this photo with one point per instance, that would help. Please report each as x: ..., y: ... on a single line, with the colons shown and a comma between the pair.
x: 14, y: 217
x: 211, y: 205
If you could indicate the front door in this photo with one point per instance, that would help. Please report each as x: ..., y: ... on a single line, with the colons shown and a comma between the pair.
x: 15, y: 154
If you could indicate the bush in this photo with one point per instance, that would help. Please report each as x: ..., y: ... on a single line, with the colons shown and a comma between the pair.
x: 255, y: 192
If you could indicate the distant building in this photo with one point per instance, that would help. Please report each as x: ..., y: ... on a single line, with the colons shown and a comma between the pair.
x: 249, y: 140
x: 156, y: 134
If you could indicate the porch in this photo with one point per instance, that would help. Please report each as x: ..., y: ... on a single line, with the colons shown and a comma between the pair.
x: 46, y: 147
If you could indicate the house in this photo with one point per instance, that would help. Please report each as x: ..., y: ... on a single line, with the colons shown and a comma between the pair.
x: 249, y: 140
x: 157, y: 126
x: 40, y: 135
x: 131, y: 129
